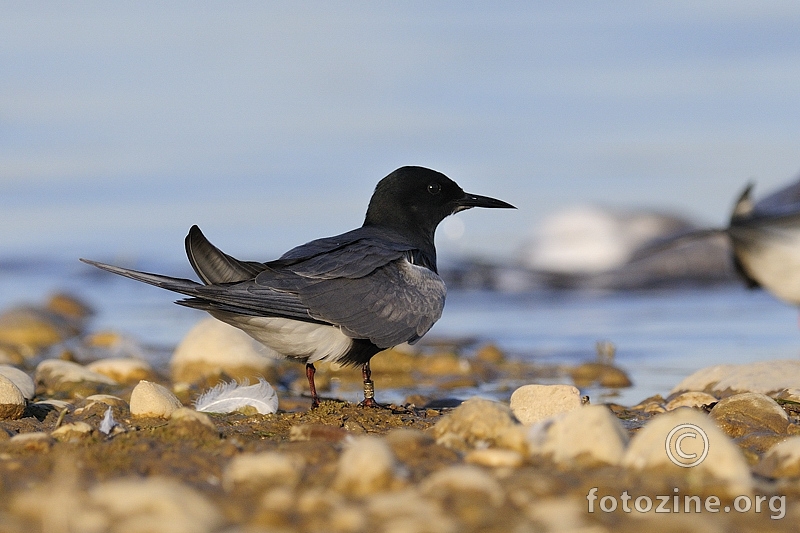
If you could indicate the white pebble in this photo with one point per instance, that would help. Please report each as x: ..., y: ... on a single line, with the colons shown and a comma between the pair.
x: 72, y: 432
x: 153, y: 400
x: 691, y: 399
x: 591, y: 433
x: 782, y: 460
x: 479, y: 423
x: 12, y: 401
x: 267, y: 469
x: 724, y: 461
x: 155, y: 505
x: 495, y: 457
x: 19, y: 378
x: 532, y: 403
x: 367, y: 465
x: 212, y: 347
x: 463, y: 478
x: 55, y: 372
x: 122, y: 370
x: 761, y: 376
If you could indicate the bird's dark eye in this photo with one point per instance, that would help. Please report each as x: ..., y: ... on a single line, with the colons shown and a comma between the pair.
x: 434, y: 188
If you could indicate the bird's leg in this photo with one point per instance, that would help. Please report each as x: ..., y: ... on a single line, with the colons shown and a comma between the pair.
x: 369, y: 387
x: 310, y: 371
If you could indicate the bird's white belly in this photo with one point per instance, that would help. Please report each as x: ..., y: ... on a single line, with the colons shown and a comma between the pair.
x: 296, y: 339
x: 775, y: 264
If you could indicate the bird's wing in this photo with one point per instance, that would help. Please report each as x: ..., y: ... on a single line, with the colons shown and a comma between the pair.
x: 782, y: 202
x: 367, y: 287
x: 215, y: 266
x: 395, y: 303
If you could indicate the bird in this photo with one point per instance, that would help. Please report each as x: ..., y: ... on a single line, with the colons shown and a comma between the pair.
x: 764, y: 239
x: 338, y: 299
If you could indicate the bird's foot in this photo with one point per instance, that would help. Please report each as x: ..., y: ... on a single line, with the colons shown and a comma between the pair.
x: 370, y: 402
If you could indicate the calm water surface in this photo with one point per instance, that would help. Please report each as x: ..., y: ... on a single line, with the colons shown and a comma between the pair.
x: 661, y: 336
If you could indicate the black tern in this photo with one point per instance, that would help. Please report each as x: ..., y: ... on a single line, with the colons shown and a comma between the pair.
x: 765, y: 241
x: 339, y: 299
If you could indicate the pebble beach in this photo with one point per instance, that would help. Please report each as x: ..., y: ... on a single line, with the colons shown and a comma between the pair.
x: 94, y: 438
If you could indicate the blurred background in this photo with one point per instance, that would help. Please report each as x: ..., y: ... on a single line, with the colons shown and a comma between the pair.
x: 269, y: 123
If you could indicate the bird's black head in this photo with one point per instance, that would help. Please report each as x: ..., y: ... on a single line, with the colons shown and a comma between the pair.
x: 413, y: 200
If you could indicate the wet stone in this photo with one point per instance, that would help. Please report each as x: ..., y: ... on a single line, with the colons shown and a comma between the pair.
x: 749, y: 412
x: 603, y: 374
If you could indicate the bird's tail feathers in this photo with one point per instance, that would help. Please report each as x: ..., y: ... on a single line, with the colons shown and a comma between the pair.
x: 213, y: 265
x: 179, y: 285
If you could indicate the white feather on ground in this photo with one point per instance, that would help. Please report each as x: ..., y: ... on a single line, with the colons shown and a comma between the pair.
x: 108, y: 422
x: 232, y: 396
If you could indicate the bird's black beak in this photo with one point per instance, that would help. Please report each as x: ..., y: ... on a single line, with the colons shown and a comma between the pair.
x: 475, y: 200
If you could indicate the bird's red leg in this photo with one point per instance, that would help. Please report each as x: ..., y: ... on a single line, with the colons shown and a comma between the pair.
x: 310, y: 371
x: 369, y: 387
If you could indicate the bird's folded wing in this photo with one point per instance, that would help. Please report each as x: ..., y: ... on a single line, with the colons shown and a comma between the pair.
x: 353, y: 254
x: 396, y: 303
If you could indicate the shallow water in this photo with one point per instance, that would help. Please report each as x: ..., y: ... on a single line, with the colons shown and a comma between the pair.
x: 661, y: 336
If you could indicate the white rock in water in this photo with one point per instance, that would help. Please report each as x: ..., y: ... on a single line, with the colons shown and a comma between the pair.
x: 122, y: 370
x: 19, y: 378
x: 265, y: 469
x: 765, y: 377
x: 366, y: 466
x: 12, y: 402
x: 156, y: 505
x: 532, y: 403
x: 153, y: 400
x: 591, y: 434
x: 212, y: 346
x: 690, y: 399
x: 782, y: 460
x: 55, y: 372
x: 696, y: 434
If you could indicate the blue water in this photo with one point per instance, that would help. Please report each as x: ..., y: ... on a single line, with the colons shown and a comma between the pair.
x: 661, y: 336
